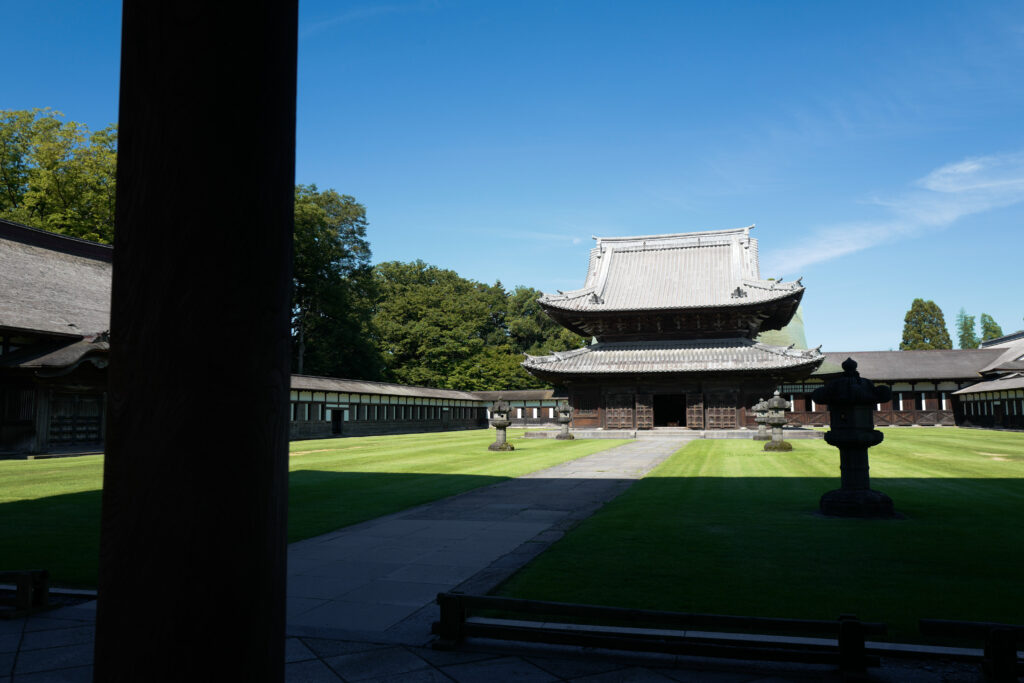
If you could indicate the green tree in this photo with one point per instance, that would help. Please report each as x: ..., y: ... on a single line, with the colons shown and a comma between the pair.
x: 990, y: 329
x: 429, y: 321
x: 924, y: 327
x: 495, y: 368
x: 333, y: 288
x: 55, y: 175
x: 965, y: 330
x: 532, y: 330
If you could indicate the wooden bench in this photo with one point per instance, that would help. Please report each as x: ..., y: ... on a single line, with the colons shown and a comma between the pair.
x: 839, y: 642
x: 32, y: 593
x: 1000, y: 662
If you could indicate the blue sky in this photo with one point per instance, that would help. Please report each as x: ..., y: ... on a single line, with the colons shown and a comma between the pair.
x: 877, y: 146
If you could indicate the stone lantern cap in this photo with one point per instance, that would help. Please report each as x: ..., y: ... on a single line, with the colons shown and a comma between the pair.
x: 851, y: 389
x: 500, y: 406
x: 776, y: 402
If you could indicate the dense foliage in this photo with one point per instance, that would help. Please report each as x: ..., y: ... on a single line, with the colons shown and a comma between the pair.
x: 56, y: 175
x: 924, y: 327
x: 436, y: 328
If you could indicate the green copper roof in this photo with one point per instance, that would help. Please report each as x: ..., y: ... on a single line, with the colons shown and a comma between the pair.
x: 793, y: 333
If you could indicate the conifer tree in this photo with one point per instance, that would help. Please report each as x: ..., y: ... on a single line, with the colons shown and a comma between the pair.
x: 990, y: 329
x: 965, y: 330
x: 924, y: 327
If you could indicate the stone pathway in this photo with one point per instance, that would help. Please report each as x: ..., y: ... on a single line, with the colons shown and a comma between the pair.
x: 379, y: 579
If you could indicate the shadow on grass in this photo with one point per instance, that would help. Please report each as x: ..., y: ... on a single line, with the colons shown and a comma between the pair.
x: 59, y: 533
x: 743, y: 545
x: 757, y: 546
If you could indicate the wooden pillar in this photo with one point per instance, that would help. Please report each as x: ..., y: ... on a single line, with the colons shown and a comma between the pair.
x: 43, y: 400
x: 192, y: 558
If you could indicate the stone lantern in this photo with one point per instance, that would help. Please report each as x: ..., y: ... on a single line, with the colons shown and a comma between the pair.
x: 500, y: 422
x: 761, y: 418
x: 851, y: 403
x: 777, y: 407
x: 563, y: 417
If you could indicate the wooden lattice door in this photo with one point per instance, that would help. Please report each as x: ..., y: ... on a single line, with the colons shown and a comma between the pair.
x: 618, y: 413
x: 695, y: 411
x: 644, y: 411
x: 721, y: 415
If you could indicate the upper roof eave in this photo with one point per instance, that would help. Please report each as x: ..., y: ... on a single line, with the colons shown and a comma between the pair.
x: 555, y: 301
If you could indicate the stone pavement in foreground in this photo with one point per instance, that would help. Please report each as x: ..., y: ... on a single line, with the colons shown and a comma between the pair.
x: 360, y: 600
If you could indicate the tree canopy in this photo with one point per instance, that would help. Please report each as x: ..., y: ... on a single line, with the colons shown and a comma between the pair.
x: 436, y: 328
x: 990, y: 329
x: 333, y: 288
x: 924, y: 327
x: 57, y: 175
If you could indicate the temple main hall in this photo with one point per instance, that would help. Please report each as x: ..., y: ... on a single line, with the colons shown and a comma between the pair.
x: 675, y: 322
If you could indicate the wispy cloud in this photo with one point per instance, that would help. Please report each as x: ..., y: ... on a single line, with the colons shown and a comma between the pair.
x: 938, y: 200
x: 360, y: 13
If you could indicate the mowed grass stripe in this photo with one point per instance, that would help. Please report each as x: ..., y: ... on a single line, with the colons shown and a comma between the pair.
x: 50, y: 509
x: 353, y: 482
x: 724, y: 527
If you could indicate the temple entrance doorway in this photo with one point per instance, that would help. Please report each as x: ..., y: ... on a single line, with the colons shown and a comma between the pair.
x: 670, y: 410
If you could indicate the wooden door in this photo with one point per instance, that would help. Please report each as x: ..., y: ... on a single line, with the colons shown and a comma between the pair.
x: 644, y: 411
x: 695, y: 411
x: 618, y: 412
x: 586, y: 410
x: 721, y: 415
x: 721, y: 412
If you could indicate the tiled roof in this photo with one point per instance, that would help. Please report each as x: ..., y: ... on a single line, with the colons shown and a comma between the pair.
x: 356, y: 386
x: 683, y: 270
x: 1014, y: 381
x: 674, y: 356
x: 53, y: 284
x: 1009, y: 351
x: 66, y: 356
x: 1005, y: 340
x: 887, y: 366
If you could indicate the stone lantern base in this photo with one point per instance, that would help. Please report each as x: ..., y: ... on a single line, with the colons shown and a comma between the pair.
x: 778, y: 446
x: 506, y: 446
x: 856, y: 503
x: 564, y: 436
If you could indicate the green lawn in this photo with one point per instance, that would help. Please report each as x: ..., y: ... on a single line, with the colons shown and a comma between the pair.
x: 723, y: 527
x: 50, y: 509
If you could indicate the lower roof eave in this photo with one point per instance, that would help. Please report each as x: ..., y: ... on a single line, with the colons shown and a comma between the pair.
x: 791, y: 373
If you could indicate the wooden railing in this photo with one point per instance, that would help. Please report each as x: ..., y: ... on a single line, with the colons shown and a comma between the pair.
x: 839, y: 642
x: 1000, y: 662
x: 32, y: 592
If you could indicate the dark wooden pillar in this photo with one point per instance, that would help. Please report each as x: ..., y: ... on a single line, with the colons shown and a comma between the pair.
x: 192, y: 565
